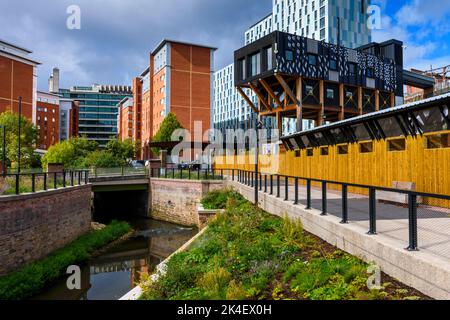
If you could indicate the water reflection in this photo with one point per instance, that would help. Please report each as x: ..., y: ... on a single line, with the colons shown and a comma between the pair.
x: 115, y: 272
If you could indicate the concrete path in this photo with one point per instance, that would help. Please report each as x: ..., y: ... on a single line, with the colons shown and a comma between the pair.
x: 392, y: 220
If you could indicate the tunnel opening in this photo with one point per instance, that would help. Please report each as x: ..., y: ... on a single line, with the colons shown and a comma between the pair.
x: 120, y: 205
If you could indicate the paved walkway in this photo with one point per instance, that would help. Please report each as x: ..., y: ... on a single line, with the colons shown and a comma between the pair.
x: 392, y: 220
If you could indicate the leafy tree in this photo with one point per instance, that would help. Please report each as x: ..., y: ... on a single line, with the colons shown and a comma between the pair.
x: 102, y: 159
x: 28, y: 139
x: 168, y: 127
x: 63, y: 152
x: 123, y: 151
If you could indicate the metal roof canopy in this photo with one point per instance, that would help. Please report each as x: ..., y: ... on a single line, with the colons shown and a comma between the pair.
x: 417, y: 80
x: 404, y: 119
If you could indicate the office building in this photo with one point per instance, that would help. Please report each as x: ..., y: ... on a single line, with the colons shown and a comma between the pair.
x: 47, y: 120
x: 18, y: 78
x: 315, y: 19
x: 178, y: 80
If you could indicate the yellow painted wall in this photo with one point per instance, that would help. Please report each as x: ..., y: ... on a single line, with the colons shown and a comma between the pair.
x: 428, y: 168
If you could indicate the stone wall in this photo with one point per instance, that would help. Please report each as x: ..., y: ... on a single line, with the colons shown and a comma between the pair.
x: 34, y: 225
x: 177, y: 201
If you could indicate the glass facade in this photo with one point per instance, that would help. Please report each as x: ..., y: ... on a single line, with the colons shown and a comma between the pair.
x: 98, y: 110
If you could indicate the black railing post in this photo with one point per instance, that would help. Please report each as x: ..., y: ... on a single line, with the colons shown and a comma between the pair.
x: 296, y: 191
x: 33, y: 183
x: 17, y: 183
x: 344, y: 204
x: 324, y: 199
x: 86, y: 177
x: 71, y: 178
x: 173, y: 173
x: 45, y: 181
x: 413, y: 232
x: 372, y: 211
x: 189, y: 175
x: 271, y: 184
x: 198, y: 174
x: 55, y: 180
x: 221, y: 174
x: 265, y: 183
x: 181, y: 174
x: 278, y: 186
x: 286, y: 188
x: 308, y: 194
x: 79, y: 178
x: 232, y: 173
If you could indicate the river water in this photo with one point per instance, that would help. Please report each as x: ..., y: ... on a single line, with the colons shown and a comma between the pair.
x: 112, y: 274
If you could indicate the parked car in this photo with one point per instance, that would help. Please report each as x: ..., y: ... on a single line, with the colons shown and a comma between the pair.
x: 137, y: 164
x: 194, y: 165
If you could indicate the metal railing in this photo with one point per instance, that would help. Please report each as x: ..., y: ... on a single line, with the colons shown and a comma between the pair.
x: 279, y: 186
x: 118, y: 172
x: 187, y: 174
x: 21, y: 183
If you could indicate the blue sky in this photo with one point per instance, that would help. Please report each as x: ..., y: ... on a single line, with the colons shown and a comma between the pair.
x: 116, y: 36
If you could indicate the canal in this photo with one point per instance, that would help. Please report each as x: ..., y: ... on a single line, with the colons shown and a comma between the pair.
x: 115, y: 272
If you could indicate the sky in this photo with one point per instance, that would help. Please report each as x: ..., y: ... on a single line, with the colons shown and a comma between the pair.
x: 116, y: 36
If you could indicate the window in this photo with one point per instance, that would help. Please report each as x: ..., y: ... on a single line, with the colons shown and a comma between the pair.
x: 312, y: 59
x: 342, y: 150
x: 255, y: 61
x: 269, y: 55
x: 396, y: 145
x: 243, y: 72
x: 298, y: 153
x: 309, y: 152
x: 333, y: 65
x: 330, y: 94
x: 366, y: 147
x: 324, y: 151
x: 438, y: 141
x: 352, y: 68
x: 370, y: 73
x: 289, y: 55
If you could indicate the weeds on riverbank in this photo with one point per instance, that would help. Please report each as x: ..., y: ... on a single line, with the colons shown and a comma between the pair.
x: 33, y: 278
x: 249, y: 254
x: 218, y: 199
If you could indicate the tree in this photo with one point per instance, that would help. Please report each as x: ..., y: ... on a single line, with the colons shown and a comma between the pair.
x: 28, y: 139
x: 168, y: 127
x: 72, y: 153
x: 122, y: 150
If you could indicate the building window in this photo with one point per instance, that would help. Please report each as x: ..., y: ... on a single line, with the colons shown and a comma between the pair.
x: 309, y: 152
x: 289, y: 55
x: 330, y: 94
x: 297, y: 153
x: 342, y: 150
x: 438, y: 141
x: 269, y: 56
x: 255, y: 61
x: 312, y: 59
x: 324, y: 151
x: 333, y: 65
x: 396, y: 145
x: 366, y: 147
x: 352, y: 68
x: 370, y: 73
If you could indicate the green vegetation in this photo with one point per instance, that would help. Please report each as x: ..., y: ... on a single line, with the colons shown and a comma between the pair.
x: 249, y: 254
x: 168, y: 127
x: 28, y: 140
x: 218, y: 199
x: 33, y: 278
x: 82, y: 153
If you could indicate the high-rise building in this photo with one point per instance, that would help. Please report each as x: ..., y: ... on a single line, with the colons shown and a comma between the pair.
x: 47, y: 119
x: 68, y: 119
x: 97, y: 109
x: 18, y: 78
x: 178, y: 80
x: 315, y: 19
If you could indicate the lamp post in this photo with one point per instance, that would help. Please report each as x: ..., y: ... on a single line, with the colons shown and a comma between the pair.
x: 4, y: 151
x: 258, y: 126
x: 19, y: 134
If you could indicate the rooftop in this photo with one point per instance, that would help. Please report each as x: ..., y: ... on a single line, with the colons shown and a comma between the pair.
x: 165, y: 41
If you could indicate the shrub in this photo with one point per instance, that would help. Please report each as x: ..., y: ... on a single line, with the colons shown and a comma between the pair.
x: 33, y: 278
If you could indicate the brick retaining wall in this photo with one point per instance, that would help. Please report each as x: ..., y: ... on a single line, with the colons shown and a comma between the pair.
x: 34, y: 225
x: 177, y: 201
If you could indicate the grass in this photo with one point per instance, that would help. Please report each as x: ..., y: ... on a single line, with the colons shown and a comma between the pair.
x: 8, y: 185
x: 219, y: 199
x: 35, y: 277
x: 248, y: 254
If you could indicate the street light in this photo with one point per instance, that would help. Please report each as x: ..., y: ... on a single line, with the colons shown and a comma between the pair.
x: 258, y: 126
x: 19, y: 133
x: 4, y: 151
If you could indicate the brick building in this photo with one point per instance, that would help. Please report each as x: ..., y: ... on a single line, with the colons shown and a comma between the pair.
x: 18, y: 78
x: 179, y: 79
x: 125, y: 119
x: 47, y: 119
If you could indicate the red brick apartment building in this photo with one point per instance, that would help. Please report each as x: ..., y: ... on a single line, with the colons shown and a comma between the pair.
x: 125, y: 120
x: 179, y: 79
x: 18, y: 78
x: 47, y: 119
